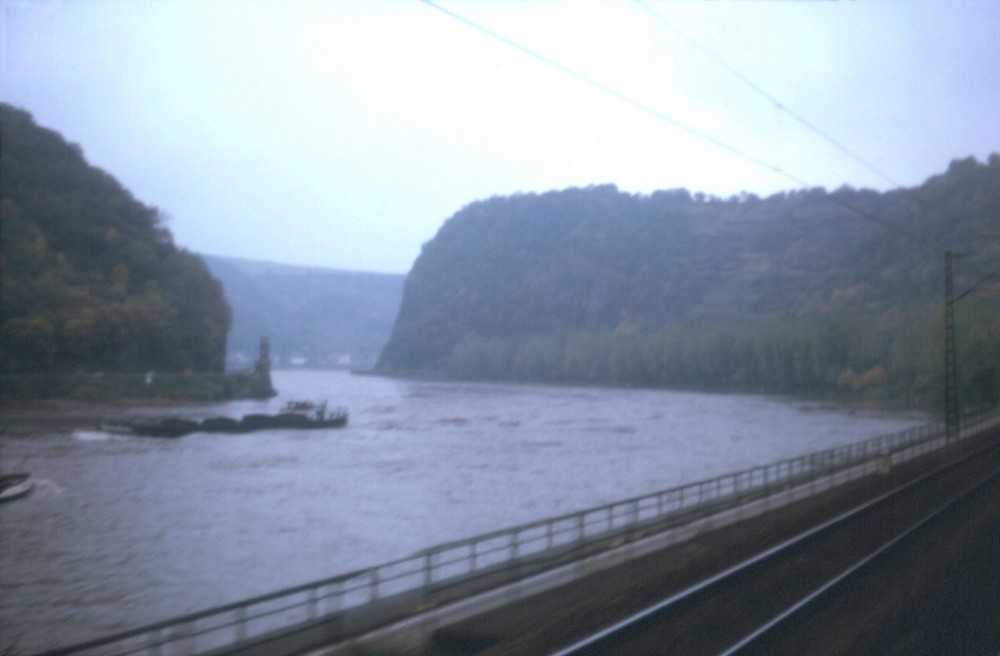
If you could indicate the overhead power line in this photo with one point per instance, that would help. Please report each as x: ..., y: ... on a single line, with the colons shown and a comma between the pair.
x: 768, y: 96
x: 666, y: 118
x: 614, y: 93
x: 782, y: 107
x: 976, y: 286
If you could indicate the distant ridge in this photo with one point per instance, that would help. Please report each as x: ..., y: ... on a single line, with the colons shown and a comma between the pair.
x: 314, y: 316
x: 255, y: 267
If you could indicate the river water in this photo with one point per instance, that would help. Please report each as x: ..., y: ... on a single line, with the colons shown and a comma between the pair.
x: 125, y: 531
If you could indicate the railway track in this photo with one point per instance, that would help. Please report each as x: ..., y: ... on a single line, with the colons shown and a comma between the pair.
x: 762, y: 604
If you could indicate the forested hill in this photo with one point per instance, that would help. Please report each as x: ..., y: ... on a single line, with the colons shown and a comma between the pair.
x: 313, y: 316
x: 92, y: 280
x: 793, y: 292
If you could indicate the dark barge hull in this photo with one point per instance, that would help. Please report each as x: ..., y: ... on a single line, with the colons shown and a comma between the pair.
x: 248, y: 424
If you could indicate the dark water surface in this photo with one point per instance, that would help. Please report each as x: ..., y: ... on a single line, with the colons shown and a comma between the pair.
x: 125, y: 531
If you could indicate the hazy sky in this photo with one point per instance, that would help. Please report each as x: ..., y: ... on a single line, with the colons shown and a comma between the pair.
x: 342, y: 134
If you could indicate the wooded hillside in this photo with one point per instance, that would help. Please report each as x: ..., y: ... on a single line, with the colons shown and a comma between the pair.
x: 92, y: 280
x: 795, y: 292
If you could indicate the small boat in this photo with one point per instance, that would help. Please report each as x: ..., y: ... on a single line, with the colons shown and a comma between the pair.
x: 318, y: 418
x: 290, y: 420
x: 299, y: 406
x: 15, y: 486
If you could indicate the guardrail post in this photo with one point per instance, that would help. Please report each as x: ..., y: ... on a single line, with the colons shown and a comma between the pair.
x: 241, y: 624
x: 767, y: 487
x: 580, y: 526
x: 884, y: 461
x: 428, y: 568
x: 182, y: 634
x: 374, y: 584
x: 335, y: 602
x: 153, y: 644
x: 313, y: 604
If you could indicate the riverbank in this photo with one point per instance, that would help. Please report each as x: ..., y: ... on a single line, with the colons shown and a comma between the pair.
x: 53, y: 416
x: 150, y: 387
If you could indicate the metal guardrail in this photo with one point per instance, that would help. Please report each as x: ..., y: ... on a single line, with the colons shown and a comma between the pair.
x: 401, y: 588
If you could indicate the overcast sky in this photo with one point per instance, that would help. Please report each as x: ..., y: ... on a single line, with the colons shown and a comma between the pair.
x: 343, y: 134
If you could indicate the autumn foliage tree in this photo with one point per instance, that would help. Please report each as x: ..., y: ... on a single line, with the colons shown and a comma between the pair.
x: 792, y: 293
x: 92, y: 280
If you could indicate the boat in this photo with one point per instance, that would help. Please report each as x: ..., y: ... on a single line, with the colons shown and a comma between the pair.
x: 168, y: 427
x: 299, y: 406
x: 176, y: 427
x: 165, y: 427
x: 15, y: 486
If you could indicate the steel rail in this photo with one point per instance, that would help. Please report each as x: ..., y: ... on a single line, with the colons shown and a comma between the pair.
x: 845, y: 574
x: 596, y: 639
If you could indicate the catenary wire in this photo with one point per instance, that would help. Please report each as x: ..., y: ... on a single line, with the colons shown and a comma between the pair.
x: 662, y: 116
x: 783, y: 107
x: 607, y: 90
x: 976, y: 286
x: 766, y: 95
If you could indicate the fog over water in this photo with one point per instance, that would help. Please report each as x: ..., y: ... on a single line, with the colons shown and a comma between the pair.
x: 125, y: 531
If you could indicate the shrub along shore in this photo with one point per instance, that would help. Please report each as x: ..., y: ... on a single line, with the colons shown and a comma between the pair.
x: 148, y: 387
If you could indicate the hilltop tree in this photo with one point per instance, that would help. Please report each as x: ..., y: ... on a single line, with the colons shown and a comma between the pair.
x: 92, y: 280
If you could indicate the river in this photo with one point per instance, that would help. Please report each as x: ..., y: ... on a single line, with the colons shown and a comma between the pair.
x: 125, y: 531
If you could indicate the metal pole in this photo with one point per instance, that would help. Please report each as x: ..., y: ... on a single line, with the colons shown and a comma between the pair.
x: 951, y: 407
